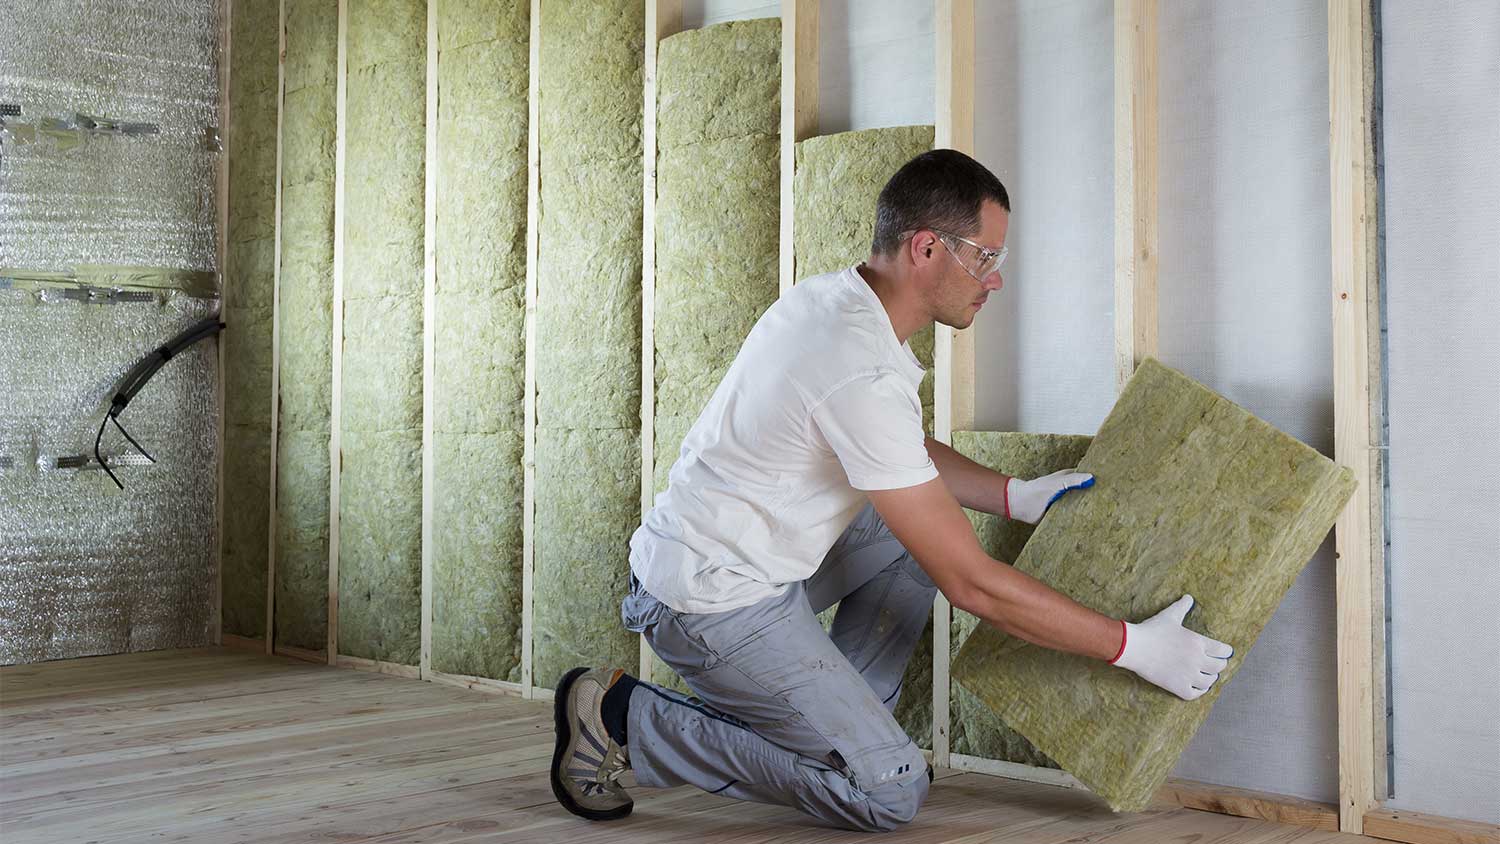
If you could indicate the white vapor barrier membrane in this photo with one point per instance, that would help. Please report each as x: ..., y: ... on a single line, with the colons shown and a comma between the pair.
x: 140, y: 197
x: 1044, y: 124
x: 697, y: 14
x: 875, y: 64
x: 1442, y: 200
x: 1244, y: 299
x: 108, y: 162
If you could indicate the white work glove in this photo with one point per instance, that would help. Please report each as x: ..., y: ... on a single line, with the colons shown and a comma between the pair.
x: 1171, y: 656
x: 1027, y: 501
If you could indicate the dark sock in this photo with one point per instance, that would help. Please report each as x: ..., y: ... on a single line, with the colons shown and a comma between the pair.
x: 615, y: 708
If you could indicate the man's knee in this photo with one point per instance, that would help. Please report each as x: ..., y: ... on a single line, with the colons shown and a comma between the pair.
x: 895, y: 786
x: 895, y: 805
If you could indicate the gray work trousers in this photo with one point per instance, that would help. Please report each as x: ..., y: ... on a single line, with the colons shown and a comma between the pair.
x: 785, y: 712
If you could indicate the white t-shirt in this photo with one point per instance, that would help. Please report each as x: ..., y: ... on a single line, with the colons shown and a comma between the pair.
x: 820, y: 404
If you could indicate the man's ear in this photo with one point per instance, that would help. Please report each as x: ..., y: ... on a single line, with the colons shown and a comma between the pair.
x: 922, y: 243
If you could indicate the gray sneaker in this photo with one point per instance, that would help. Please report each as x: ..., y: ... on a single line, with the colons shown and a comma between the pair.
x: 586, y: 762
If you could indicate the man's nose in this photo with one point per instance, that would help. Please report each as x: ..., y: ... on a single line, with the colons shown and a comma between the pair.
x: 994, y: 281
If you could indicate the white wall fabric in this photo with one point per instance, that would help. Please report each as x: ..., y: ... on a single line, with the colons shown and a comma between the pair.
x: 1244, y: 300
x: 1044, y: 123
x: 1442, y: 135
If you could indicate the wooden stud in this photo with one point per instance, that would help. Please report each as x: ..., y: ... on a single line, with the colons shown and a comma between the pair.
x: 1242, y: 803
x: 663, y: 18
x: 528, y: 459
x: 954, y: 129
x: 1417, y: 828
x: 1348, y: 29
x: 275, y: 335
x: 429, y: 335
x: 799, y: 110
x: 1378, y: 452
x: 1135, y: 185
x: 335, y: 454
x: 221, y: 244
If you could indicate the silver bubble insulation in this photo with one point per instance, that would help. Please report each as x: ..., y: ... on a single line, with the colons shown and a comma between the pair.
x: 84, y: 568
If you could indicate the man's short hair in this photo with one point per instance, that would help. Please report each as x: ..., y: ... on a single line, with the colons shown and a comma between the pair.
x: 939, y: 189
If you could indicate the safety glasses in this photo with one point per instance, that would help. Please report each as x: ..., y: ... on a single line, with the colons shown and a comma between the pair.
x: 985, y: 261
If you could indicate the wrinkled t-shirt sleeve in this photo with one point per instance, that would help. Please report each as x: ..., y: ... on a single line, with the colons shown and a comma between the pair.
x: 873, y: 423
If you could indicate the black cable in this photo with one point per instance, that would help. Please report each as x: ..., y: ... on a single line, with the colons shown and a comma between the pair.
x: 137, y: 445
x: 102, y: 465
x: 137, y: 377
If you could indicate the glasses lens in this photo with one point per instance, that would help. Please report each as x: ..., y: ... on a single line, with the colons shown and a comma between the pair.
x: 990, y: 263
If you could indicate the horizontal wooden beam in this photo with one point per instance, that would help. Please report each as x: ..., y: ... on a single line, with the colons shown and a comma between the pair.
x: 1417, y: 828
x: 394, y: 669
x: 478, y: 684
x: 1243, y: 803
x: 1012, y: 770
x: 242, y: 643
x: 303, y: 654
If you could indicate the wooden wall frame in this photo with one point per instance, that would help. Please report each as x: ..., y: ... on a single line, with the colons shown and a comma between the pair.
x: 799, y: 113
x: 1349, y: 30
x: 663, y: 18
x: 270, y: 643
x: 528, y: 447
x: 429, y: 335
x: 221, y: 249
x: 952, y: 352
x: 1136, y: 121
x: 1356, y: 360
x: 336, y: 414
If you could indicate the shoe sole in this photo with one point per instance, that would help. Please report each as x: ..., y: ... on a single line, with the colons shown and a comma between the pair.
x: 561, y: 751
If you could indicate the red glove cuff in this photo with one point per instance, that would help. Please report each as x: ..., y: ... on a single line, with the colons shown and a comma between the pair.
x: 1123, y: 633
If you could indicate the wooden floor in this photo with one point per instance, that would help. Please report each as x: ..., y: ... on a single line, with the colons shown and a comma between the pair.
x: 219, y: 745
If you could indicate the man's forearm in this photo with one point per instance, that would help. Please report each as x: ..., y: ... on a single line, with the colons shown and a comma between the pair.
x: 1028, y: 609
x: 976, y: 487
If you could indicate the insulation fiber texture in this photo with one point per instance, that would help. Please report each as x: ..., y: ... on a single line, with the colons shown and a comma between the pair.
x: 380, y: 483
x: 1194, y: 495
x: 588, y: 329
x: 717, y: 217
x: 248, y: 289
x: 306, y: 323
x: 975, y: 729
x: 837, y: 181
x: 717, y: 211
x: 479, y: 347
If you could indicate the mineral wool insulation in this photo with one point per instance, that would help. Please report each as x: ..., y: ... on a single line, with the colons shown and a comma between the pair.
x: 1195, y: 496
x: 479, y: 346
x: 837, y: 181
x: 973, y: 729
x: 248, y: 289
x: 308, y: 117
x: 587, y: 332
x: 718, y: 113
x: 380, y: 484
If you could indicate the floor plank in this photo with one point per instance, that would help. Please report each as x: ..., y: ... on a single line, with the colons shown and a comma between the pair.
x: 228, y: 745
